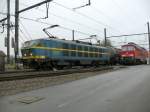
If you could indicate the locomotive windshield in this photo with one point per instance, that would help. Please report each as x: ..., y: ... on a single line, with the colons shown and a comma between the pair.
x: 127, y: 48
x: 32, y: 43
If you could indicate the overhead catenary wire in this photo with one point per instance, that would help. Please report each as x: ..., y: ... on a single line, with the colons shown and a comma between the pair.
x: 24, y: 34
x: 105, y: 15
x: 81, y: 6
x: 123, y: 11
x: 25, y: 30
x: 21, y: 39
x: 77, y: 12
x: 4, y: 13
x: 72, y: 21
x: 59, y: 26
x: 145, y: 44
x: 3, y: 5
x: 84, y: 15
x: 126, y: 35
x: 101, y: 13
x: 35, y: 20
x: 66, y: 19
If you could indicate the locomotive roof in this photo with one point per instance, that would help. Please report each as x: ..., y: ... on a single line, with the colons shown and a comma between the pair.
x: 70, y: 41
x: 136, y: 45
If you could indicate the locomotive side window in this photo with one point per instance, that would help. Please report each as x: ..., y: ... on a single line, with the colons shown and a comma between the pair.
x: 73, y: 48
x: 80, y: 51
x: 65, y: 46
x: 96, y: 50
x: 100, y: 52
x: 86, y: 51
x: 58, y: 45
x: 91, y: 51
x: 65, y: 51
x: 105, y: 50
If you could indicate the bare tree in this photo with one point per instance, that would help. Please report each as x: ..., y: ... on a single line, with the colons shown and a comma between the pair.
x: 108, y: 43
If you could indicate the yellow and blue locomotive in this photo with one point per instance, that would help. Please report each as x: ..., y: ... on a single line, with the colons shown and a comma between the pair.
x: 58, y: 53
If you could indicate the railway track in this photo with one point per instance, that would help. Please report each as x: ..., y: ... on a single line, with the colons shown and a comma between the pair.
x: 17, y: 71
x: 8, y: 76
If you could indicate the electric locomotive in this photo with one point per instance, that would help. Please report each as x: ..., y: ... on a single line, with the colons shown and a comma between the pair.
x: 133, y: 54
x: 58, y: 53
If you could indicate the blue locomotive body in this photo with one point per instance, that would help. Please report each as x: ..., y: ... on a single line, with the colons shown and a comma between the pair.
x: 56, y: 52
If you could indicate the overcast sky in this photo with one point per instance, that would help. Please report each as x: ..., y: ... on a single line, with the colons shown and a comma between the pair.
x: 118, y: 16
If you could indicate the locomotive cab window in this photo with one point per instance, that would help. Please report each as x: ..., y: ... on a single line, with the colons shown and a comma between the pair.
x: 33, y: 43
x: 130, y: 48
x: 125, y: 48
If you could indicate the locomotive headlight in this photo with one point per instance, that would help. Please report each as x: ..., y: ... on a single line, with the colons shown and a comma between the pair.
x: 31, y: 54
x: 25, y: 54
x: 131, y: 55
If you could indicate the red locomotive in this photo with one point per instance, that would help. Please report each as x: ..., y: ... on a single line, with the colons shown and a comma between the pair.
x: 133, y: 54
